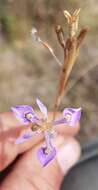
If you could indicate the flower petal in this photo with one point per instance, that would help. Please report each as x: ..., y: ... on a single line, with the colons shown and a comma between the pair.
x: 42, y: 108
x: 25, y: 137
x: 72, y: 115
x: 21, y: 111
x: 61, y: 121
x: 46, y: 158
x: 48, y: 139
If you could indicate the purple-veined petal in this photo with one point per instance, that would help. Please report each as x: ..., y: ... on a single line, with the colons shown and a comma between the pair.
x: 21, y: 112
x: 61, y: 121
x: 42, y: 108
x: 46, y: 158
x: 23, y: 138
x: 26, y: 136
x: 72, y: 115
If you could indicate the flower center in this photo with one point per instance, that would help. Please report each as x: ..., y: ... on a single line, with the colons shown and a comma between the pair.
x: 28, y: 116
x: 68, y: 117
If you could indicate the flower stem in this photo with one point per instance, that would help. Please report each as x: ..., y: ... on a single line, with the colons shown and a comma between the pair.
x: 71, y: 50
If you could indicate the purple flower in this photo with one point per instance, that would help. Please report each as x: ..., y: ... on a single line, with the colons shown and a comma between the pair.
x: 27, y: 115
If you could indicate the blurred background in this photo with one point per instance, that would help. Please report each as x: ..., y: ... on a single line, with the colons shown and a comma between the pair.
x: 27, y: 69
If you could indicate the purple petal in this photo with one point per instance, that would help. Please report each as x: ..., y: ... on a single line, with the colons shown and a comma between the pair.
x: 72, y: 115
x: 21, y: 111
x: 61, y: 121
x: 46, y: 158
x: 23, y: 138
x: 42, y: 108
x: 26, y: 136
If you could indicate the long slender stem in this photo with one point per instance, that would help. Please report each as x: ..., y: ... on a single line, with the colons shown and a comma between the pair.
x: 66, y: 69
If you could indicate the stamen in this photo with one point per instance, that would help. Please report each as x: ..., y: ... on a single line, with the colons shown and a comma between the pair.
x: 28, y: 116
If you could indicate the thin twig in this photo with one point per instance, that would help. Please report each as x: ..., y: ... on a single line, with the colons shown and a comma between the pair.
x: 51, y: 51
x: 81, y: 36
x: 60, y: 35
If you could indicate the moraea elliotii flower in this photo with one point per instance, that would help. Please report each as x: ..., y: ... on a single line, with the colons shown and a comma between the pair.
x: 26, y: 115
